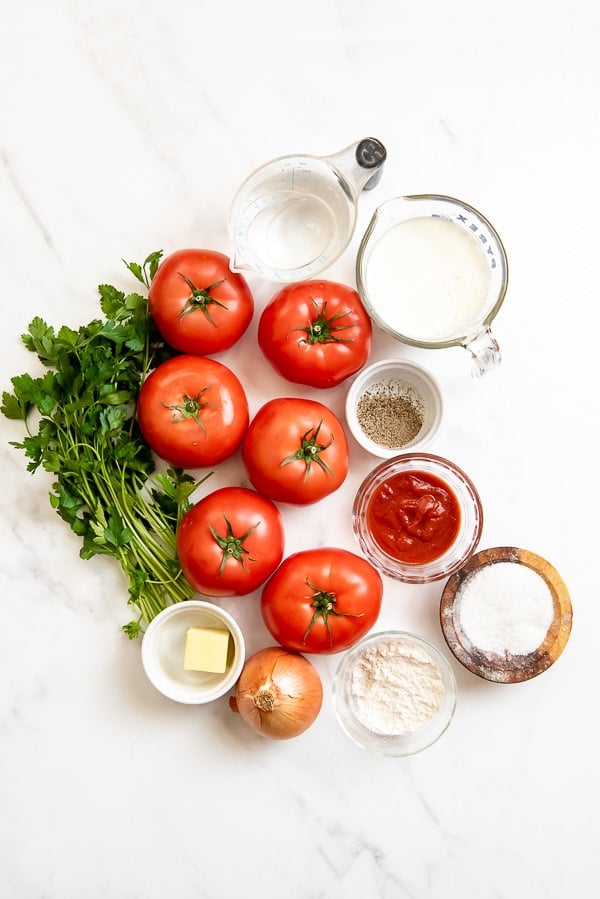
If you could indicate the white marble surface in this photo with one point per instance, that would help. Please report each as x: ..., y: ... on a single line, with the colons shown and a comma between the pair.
x: 125, y: 127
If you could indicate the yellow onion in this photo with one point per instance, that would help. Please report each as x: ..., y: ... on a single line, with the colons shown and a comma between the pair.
x: 279, y: 693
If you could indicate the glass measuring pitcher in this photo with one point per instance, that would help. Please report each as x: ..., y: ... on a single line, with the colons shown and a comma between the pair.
x: 432, y: 272
x: 295, y: 215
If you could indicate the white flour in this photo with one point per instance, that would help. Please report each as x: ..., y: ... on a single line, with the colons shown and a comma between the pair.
x: 505, y: 608
x: 396, y: 687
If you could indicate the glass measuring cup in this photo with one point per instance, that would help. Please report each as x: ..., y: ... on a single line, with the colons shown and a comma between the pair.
x: 295, y: 215
x: 433, y: 272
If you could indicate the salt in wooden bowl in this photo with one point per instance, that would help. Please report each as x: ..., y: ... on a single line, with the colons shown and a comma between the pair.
x: 503, y: 665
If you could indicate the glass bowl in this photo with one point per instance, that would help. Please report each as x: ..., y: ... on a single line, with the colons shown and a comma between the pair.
x: 410, y: 523
x: 394, y: 693
x: 393, y: 406
x: 163, y: 648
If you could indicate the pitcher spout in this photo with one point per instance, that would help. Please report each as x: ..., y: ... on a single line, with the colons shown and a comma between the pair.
x: 237, y: 263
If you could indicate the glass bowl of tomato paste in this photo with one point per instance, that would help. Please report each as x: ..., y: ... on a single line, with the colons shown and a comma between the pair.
x: 417, y: 517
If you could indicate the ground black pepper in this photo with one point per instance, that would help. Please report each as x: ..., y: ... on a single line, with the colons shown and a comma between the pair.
x: 390, y: 414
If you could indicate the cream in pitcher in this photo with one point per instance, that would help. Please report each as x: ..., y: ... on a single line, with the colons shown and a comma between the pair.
x: 430, y: 278
x: 433, y: 273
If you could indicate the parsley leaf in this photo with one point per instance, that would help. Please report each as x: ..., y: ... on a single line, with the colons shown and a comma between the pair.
x: 106, y: 487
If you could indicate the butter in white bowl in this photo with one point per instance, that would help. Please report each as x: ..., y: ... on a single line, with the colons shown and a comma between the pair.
x: 193, y: 652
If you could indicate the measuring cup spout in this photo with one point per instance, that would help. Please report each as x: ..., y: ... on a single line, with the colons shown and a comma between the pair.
x: 237, y: 264
x: 360, y: 165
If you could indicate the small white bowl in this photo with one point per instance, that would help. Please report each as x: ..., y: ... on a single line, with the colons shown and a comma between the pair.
x: 163, y: 647
x: 394, y: 380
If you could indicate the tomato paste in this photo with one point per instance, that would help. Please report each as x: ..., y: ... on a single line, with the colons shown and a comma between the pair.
x: 414, y: 516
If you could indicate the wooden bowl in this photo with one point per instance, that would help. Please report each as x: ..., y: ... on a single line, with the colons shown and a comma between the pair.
x: 507, y: 668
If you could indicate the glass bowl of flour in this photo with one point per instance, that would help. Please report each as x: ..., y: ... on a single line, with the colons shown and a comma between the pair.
x: 394, y: 693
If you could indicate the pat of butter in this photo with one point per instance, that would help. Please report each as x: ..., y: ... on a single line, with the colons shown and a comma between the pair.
x: 206, y: 649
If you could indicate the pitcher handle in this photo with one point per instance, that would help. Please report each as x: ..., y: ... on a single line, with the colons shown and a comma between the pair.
x: 371, y: 154
x: 485, y: 352
x: 360, y: 165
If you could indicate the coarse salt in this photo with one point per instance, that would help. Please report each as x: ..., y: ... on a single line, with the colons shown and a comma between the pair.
x: 505, y: 608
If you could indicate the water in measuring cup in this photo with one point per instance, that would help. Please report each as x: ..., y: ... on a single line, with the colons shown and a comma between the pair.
x: 428, y: 279
x: 289, y: 229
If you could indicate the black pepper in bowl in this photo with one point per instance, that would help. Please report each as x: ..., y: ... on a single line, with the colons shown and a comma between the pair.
x: 393, y: 405
x: 390, y: 413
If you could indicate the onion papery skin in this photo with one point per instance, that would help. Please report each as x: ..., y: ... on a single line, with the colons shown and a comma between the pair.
x: 279, y: 693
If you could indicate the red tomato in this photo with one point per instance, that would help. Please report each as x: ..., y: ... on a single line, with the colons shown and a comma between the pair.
x: 295, y: 451
x: 316, y: 333
x: 192, y: 411
x: 322, y: 600
x: 230, y: 542
x: 198, y: 304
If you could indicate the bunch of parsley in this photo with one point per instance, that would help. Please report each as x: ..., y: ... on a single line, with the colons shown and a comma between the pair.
x: 85, y: 433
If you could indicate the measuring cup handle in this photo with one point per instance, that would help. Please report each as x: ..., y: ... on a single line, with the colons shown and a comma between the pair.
x: 371, y: 154
x: 484, y: 351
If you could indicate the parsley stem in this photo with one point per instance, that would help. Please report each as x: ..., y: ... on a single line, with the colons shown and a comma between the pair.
x: 105, y: 485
